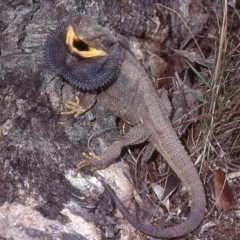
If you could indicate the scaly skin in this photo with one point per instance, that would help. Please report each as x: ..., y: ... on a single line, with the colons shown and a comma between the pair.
x: 132, y: 97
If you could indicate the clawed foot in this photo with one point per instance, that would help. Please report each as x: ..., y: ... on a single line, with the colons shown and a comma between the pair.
x: 75, y: 108
x: 90, y: 159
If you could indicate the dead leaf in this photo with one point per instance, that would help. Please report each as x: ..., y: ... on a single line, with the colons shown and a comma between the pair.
x: 195, y: 29
x: 158, y: 190
x: 223, y: 193
x: 196, y: 58
x: 171, y: 185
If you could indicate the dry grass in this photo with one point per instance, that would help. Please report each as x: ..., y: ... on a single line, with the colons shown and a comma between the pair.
x: 215, y: 139
x: 218, y: 136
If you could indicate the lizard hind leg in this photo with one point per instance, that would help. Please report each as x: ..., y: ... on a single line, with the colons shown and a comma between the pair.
x: 135, y: 135
x: 81, y: 105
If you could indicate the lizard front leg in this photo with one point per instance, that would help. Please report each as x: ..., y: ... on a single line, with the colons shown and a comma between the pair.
x: 137, y: 134
x: 81, y: 105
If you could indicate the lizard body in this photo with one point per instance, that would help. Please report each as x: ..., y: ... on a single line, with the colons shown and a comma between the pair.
x: 129, y: 93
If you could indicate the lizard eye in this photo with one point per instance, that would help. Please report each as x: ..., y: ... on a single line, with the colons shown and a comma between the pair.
x: 100, y: 38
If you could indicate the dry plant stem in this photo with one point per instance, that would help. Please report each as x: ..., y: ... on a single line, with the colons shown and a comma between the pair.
x: 221, y: 50
x: 216, y: 81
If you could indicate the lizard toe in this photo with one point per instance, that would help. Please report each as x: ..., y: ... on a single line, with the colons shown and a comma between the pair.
x: 75, y: 108
x: 90, y: 160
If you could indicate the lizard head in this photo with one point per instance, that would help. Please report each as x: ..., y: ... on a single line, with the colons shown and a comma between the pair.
x: 87, y: 39
x: 84, y: 53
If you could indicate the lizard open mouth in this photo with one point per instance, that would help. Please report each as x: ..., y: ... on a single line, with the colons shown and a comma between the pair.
x: 79, y: 47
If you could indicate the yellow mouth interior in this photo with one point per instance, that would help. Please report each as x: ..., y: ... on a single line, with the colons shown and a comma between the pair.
x: 77, y: 46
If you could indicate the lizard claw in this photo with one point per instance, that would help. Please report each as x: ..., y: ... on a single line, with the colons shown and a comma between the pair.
x: 75, y: 108
x: 89, y: 160
x: 90, y: 156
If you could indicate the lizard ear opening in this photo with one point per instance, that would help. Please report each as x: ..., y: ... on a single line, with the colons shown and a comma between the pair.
x: 79, y: 47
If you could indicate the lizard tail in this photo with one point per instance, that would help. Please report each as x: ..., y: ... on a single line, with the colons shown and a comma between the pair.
x: 177, y: 157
